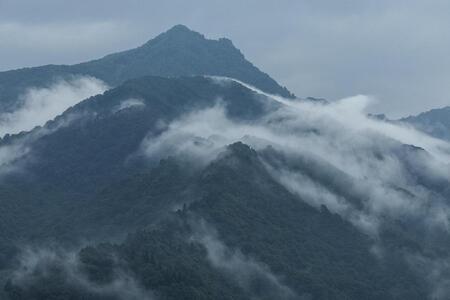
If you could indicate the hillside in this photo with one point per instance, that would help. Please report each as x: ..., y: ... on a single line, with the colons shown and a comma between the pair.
x: 231, y: 239
x: 208, y: 179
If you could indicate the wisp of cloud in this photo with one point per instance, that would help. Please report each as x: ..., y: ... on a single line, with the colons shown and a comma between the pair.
x: 43, y: 104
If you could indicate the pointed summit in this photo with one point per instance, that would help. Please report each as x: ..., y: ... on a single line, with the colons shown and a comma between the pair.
x: 180, y: 29
x: 178, y: 32
x: 179, y: 51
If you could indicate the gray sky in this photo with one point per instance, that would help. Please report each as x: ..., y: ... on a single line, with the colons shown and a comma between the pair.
x: 397, y: 51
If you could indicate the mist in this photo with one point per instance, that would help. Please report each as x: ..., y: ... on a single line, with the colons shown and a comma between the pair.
x: 40, y: 105
x: 382, y: 159
x: 17, y: 150
x: 254, y: 277
x: 129, y: 103
x: 63, y: 267
x: 369, y: 171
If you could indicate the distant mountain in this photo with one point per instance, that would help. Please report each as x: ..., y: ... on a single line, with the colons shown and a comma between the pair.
x: 435, y: 122
x: 177, y: 52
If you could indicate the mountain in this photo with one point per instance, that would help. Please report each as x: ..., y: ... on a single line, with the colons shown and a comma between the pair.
x: 184, y: 186
x: 435, y: 122
x: 265, y: 244
x: 142, y: 195
x: 63, y: 168
x: 177, y: 52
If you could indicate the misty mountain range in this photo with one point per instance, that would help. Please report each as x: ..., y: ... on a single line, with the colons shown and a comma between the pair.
x: 178, y: 170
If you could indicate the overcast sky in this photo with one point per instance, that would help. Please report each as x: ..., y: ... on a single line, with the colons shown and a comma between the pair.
x: 397, y: 51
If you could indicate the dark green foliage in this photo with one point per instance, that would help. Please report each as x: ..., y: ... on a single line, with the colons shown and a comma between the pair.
x: 175, y: 268
x: 313, y: 252
x: 98, y: 263
x: 80, y: 173
x: 87, y: 180
x: 317, y: 251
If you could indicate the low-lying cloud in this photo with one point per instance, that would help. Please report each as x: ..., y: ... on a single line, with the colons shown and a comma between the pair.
x: 254, y: 277
x: 387, y: 172
x: 436, y: 272
x: 43, y: 104
x: 38, y: 265
x: 369, y: 171
x: 129, y: 103
x: 10, y: 153
x: 16, y: 150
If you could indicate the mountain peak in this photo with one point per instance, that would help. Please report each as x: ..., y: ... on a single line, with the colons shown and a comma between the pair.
x: 179, y: 32
x: 182, y: 31
x: 177, y: 52
x: 180, y: 28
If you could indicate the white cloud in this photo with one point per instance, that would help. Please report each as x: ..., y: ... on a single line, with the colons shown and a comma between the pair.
x: 128, y: 104
x: 37, y: 263
x: 369, y: 152
x: 15, y: 151
x: 9, y: 154
x: 362, y: 168
x: 43, y: 104
x: 240, y: 268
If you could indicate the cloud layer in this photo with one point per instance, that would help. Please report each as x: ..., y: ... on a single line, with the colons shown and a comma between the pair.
x: 377, y: 157
x: 371, y: 172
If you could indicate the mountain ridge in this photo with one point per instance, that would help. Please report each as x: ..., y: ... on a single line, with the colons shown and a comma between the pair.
x: 435, y: 122
x: 176, y: 52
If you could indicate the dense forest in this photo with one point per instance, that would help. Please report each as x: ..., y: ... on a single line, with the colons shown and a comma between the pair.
x: 200, y: 250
